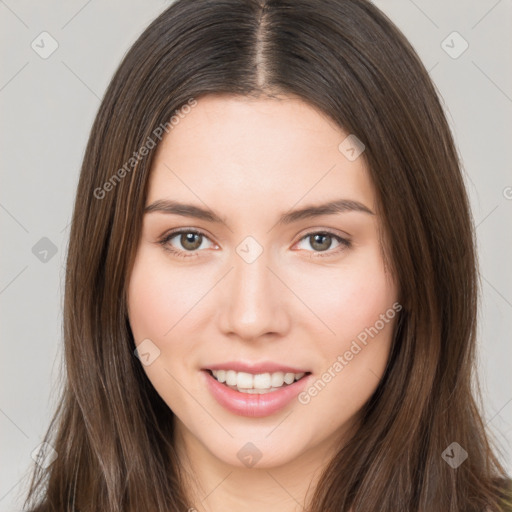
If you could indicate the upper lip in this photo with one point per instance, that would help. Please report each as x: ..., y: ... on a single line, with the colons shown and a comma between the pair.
x: 255, y: 368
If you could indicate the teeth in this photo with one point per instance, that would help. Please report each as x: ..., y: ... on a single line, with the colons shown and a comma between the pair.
x: 231, y: 378
x: 255, y: 384
x: 289, y: 378
x: 263, y: 381
x: 221, y: 375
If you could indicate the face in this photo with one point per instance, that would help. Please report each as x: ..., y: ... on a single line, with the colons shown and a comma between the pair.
x: 288, y: 301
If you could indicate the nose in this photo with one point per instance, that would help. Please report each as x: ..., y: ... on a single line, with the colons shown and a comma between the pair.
x: 254, y: 301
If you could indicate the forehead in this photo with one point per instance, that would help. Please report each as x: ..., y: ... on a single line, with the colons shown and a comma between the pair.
x: 238, y: 151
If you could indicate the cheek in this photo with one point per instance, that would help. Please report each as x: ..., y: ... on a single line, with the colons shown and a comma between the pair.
x: 159, y: 296
x: 159, y: 299
x: 352, y: 300
x: 358, y: 303
x: 352, y: 296
x: 147, y: 302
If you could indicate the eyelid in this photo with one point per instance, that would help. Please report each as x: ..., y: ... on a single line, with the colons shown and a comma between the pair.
x: 334, y: 232
x: 166, y: 237
x: 344, y: 241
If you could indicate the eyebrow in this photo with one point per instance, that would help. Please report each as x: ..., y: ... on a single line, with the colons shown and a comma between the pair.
x: 190, y: 210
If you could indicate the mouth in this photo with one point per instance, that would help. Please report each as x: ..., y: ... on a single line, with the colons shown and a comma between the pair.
x: 258, y: 383
x: 255, y: 394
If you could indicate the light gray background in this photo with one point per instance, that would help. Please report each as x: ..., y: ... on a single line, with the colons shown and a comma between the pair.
x: 47, y: 108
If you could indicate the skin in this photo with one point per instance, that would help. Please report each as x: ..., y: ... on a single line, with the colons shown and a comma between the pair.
x: 251, y: 160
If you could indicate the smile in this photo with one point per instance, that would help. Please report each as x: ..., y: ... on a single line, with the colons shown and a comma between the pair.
x: 254, y: 395
x: 255, y: 384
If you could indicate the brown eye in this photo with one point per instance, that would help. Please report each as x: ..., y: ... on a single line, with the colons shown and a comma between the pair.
x: 185, y: 242
x: 322, y: 241
x: 191, y: 241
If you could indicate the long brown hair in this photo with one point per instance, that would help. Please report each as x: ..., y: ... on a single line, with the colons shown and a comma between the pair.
x: 112, y: 432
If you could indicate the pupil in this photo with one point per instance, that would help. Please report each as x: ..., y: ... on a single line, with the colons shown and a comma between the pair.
x: 316, y: 244
x: 187, y: 240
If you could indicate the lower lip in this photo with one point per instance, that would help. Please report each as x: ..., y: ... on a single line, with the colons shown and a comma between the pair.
x: 252, y: 405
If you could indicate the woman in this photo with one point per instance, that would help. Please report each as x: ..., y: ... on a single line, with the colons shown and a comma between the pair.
x: 271, y: 284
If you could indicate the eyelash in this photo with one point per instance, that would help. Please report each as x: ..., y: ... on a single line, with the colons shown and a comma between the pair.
x: 164, y: 242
